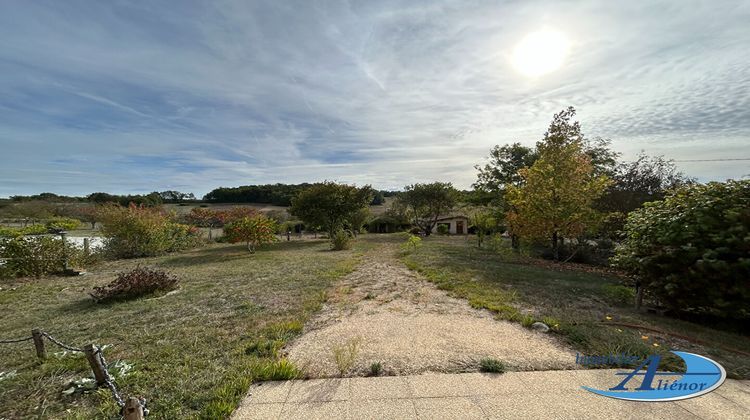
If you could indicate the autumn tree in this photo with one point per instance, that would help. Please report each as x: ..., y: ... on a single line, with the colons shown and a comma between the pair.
x: 206, y: 218
x: 555, y: 196
x: 425, y: 203
x: 254, y: 231
x: 330, y: 205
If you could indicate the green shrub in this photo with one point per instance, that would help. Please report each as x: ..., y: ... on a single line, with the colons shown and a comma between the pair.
x: 135, y: 283
x: 376, y: 368
x: 35, y: 256
x: 691, y: 251
x: 11, y: 232
x: 38, y: 256
x: 491, y: 366
x: 412, y: 243
x: 618, y: 294
x: 134, y: 231
x: 62, y: 223
x: 341, y: 240
x: 443, y: 229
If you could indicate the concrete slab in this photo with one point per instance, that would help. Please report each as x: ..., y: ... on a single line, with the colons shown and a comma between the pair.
x: 448, y: 408
x: 513, y: 395
x: 714, y: 406
x: 437, y: 385
x: 551, y: 382
x: 269, y: 392
x: 389, y: 387
x: 515, y: 406
x: 320, y: 390
x: 316, y: 410
x: 493, y: 383
x: 258, y: 411
x: 395, y: 409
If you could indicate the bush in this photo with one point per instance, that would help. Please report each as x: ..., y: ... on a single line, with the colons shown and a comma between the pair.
x: 412, y: 243
x: 692, y: 250
x: 38, y: 256
x: 341, y: 240
x: 137, y: 282
x: 619, y: 295
x: 137, y: 231
x: 491, y: 366
x: 11, y: 232
x: 443, y: 229
x: 254, y: 231
x: 62, y: 223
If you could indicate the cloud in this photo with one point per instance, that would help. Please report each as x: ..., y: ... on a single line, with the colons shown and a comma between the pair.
x: 134, y: 98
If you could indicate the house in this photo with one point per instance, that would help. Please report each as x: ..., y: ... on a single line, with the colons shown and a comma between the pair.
x: 457, y: 224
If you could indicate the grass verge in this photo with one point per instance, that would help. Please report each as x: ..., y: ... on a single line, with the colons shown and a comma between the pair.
x: 574, y: 303
x: 194, y: 352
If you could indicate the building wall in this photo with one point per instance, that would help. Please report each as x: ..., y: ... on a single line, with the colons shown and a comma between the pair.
x: 452, y: 225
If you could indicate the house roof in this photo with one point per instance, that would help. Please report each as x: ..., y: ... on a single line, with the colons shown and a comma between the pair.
x: 456, y: 216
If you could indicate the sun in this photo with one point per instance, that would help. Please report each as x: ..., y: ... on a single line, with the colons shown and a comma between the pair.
x: 540, y: 53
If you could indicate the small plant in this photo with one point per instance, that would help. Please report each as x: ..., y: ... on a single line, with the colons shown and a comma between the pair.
x: 412, y: 243
x: 137, y: 282
x: 274, y: 370
x: 443, y: 229
x: 264, y: 348
x: 341, y: 240
x: 551, y: 322
x: 346, y: 354
x: 376, y: 368
x: 491, y: 366
x: 527, y: 320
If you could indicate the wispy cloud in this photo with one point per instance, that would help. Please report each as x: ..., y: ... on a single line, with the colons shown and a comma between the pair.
x: 137, y: 97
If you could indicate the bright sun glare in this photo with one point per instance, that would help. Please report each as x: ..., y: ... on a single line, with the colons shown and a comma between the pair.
x: 540, y: 53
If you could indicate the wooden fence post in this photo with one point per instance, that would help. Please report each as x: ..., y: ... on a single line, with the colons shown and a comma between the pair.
x: 96, y: 364
x: 133, y: 409
x: 39, y: 343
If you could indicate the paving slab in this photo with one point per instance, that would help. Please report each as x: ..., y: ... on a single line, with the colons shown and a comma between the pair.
x: 513, y: 395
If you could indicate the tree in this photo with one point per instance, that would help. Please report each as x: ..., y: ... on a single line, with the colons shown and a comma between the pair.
x: 506, y: 162
x: 691, y: 251
x: 205, y: 217
x: 378, y: 198
x: 330, y: 205
x: 171, y: 196
x: 648, y: 178
x: 425, y: 203
x: 357, y: 219
x: 254, y: 231
x: 555, y: 197
x: 485, y: 222
x: 502, y: 169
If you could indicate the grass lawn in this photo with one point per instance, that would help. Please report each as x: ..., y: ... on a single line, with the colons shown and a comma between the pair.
x: 578, y: 302
x: 194, y: 352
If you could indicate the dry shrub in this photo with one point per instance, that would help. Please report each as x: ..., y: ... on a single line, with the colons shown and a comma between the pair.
x: 137, y: 282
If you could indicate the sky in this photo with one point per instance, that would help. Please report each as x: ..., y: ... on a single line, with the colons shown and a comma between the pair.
x: 132, y: 97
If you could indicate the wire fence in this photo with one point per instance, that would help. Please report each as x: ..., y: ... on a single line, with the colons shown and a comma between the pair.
x: 132, y: 409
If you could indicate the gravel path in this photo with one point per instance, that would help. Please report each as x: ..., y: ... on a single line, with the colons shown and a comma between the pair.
x: 389, y: 314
